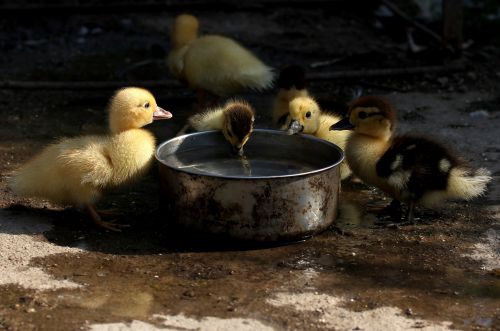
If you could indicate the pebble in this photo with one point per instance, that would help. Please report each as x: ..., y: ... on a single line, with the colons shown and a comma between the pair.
x: 480, y: 114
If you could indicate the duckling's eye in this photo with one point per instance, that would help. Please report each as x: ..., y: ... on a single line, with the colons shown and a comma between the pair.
x: 146, y: 105
x: 362, y: 115
x: 308, y: 114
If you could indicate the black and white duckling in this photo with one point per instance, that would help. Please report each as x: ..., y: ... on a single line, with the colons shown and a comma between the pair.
x: 408, y: 168
x: 235, y: 119
x: 306, y: 117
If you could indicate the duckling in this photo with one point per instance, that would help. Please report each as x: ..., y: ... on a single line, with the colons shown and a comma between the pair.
x: 235, y: 119
x: 213, y: 63
x: 291, y: 84
x: 77, y: 170
x: 408, y: 168
x: 306, y: 117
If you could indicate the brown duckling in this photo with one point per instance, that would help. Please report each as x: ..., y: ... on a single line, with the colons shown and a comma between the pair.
x: 235, y: 119
x: 410, y: 169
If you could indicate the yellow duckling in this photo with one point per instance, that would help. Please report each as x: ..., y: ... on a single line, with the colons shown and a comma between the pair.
x: 291, y: 84
x: 77, y: 170
x: 306, y: 117
x: 410, y: 169
x: 213, y: 63
x: 235, y: 119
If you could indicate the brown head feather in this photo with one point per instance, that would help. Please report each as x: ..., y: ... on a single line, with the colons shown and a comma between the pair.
x: 240, y: 114
x: 381, y: 103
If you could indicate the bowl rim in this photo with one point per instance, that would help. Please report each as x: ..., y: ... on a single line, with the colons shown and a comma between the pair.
x: 280, y: 132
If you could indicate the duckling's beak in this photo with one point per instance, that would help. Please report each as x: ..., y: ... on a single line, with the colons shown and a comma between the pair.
x: 343, y: 124
x: 161, y: 114
x: 295, y: 127
x: 237, y: 150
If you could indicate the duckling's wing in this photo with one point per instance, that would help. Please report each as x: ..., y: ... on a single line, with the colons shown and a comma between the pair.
x: 417, y: 163
x: 88, y: 160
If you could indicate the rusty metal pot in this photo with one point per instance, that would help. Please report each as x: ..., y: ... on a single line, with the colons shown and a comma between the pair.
x: 286, y: 189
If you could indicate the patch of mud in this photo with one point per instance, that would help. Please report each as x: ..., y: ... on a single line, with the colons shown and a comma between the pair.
x: 488, y: 250
x: 19, y: 244
x: 181, y: 322
x: 330, y: 312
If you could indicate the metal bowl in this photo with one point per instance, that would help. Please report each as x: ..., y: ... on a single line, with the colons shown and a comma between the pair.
x: 285, y: 188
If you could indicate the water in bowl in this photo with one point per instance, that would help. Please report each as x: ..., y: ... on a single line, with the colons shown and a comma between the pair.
x: 221, y: 163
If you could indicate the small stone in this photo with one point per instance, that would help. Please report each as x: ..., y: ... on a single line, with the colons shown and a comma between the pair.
x: 96, y: 31
x: 480, y: 114
x: 31, y: 310
x: 443, y: 80
x: 188, y: 294
x: 408, y: 312
x: 471, y: 75
x: 83, y: 31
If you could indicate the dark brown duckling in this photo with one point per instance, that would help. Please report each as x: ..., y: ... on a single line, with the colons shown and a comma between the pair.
x: 411, y: 169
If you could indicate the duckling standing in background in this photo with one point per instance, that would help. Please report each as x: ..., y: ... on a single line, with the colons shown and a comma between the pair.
x: 306, y: 117
x: 291, y: 84
x: 410, y: 169
x: 213, y: 63
x: 235, y: 119
x: 77, y: 170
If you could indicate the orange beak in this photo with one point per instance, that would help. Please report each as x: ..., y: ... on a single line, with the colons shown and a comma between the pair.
x: 161, y: 114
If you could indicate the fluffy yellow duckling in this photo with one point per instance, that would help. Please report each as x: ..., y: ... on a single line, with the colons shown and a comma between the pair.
x: 291, y: 84
x: 213, y: 63
x: 235, y: 119
x: 77, y: 170
x: 306, y: 117
x: 410, y: 169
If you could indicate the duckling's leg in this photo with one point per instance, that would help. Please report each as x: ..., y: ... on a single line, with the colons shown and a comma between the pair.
x: 98, y: 220
x: 409, y: 215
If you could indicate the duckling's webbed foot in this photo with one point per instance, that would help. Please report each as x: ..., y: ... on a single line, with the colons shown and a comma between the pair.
x: 96, y: 218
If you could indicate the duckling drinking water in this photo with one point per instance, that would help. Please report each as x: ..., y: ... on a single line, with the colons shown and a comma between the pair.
x: 77, y: 170
x: 235, y: 119
x: 408, y: 168
x: 291, y: 84
x: 306, y: 117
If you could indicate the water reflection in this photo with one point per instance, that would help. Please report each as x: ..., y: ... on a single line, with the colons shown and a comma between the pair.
x: 352, y: 215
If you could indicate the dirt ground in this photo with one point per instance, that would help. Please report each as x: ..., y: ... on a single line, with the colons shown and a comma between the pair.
x: 59, y: 272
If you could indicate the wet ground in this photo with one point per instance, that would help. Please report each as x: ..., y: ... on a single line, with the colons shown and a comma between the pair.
x: 59, y: 272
